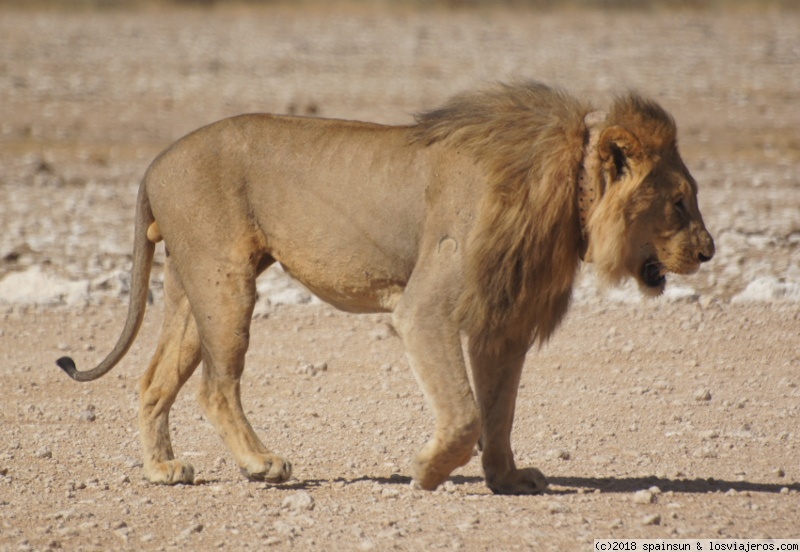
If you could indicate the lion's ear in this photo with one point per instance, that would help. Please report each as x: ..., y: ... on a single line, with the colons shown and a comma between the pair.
x: 618, y: 149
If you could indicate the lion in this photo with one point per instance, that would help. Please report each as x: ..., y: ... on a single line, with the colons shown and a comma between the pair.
x: 472, y: 222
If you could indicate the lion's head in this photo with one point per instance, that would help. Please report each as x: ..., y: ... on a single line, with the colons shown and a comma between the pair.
x: 642, y: 219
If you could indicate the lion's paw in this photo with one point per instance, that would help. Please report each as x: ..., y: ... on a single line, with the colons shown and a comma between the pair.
x: 524, y: 481
x: 428, y: 473
x: 426, y: 478
x: 268, y: 467
x: 170, y: 472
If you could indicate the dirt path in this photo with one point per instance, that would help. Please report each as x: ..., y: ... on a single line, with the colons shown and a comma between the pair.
x: 669, y: 418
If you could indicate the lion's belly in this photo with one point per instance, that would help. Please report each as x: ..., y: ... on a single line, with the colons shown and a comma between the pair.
x: 352, y: 291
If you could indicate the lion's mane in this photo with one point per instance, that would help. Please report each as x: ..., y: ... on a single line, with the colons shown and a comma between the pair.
x: 524, y: 251
x: 522, y: 254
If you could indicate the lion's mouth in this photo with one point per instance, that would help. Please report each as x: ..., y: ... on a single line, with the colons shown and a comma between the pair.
x: 654, y: 274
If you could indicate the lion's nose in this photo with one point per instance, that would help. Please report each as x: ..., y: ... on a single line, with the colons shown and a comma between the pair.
x: 706, y: 253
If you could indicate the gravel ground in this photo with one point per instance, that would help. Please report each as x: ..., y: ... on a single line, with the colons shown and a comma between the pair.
x: 676, y: 417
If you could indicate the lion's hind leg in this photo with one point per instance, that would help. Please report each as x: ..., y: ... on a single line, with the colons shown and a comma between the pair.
x: 174, y: 361
x: 223, y: 313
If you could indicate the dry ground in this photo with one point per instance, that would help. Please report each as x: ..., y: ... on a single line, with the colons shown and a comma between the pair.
x: 695, y: 397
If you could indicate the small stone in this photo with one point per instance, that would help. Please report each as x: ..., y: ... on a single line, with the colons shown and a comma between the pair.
x: 44, y: 452
x: 390, y: 533
x: 390, y: 493
x: 561, y: 454
x: 191, y: 530
x: 87, y: 416
x: 703, y: 395
x: 285, y: 529
x: 384, y: 331
x: 122, y: 530
x: 643, y: 497
x: 654, y: 519
x: 778, y: 473
x: 298, y: 501
x: 555, y: 507
x: 307, y: 369
x: 468, y: 524
x: 272, y: 541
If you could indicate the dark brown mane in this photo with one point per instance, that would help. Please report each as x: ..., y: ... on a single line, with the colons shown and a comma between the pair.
x: 523, y: 251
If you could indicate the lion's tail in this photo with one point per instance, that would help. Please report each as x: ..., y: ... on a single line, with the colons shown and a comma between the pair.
x: 145, y: 237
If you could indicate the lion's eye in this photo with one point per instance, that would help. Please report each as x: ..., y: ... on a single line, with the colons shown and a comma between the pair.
x: 680, y: 205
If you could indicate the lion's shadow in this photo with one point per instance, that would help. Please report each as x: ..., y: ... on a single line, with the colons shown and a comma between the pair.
x: 688, y: 486
x: 574, y: 485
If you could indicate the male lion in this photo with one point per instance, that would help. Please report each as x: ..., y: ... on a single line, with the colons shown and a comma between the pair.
x: 474, y: 220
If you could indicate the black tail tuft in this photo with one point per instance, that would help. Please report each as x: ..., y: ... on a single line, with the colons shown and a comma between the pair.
x: 68, y: 365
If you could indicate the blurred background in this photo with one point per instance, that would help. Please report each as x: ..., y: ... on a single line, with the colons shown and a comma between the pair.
x: 92, y: 90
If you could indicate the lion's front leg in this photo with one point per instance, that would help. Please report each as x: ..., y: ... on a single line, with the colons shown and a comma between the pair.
x: 434, y: 352
x: 424, y: 320
x: 496, y: 378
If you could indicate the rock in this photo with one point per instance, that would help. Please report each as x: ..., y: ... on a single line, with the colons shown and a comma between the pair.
x: 654, y: 519
x: 286, y: 530
x: 382, y: 332
x: 561, y: 454
x: 703, y: 395
x: 555, y: 507
x: 643, y: 497
x: 307, y: 370
x: 43, y: 452
x: 191, y: 530
x: 298, y: 501
x: 469, y: 523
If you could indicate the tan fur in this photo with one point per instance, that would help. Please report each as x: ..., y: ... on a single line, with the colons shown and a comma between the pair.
x: 466, y: 222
